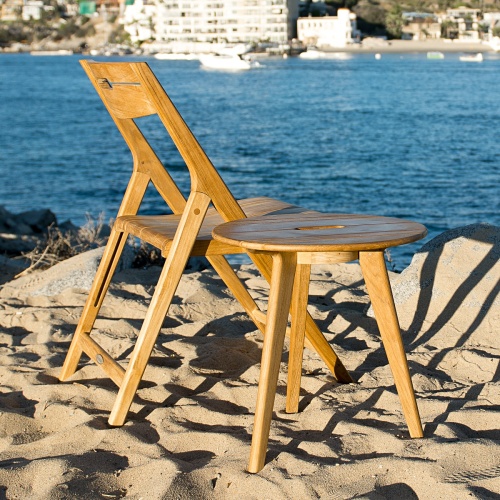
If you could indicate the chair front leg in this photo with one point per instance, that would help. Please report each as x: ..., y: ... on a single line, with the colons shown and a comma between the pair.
x: 173, y: 268
x: 379, y: 290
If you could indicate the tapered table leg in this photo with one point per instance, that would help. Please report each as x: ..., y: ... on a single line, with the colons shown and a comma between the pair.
x: 297, y: 335
x: 379, y: 290
x: 277, y: 317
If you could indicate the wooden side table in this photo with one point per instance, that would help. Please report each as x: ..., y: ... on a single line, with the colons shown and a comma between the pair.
x: 295, y: 242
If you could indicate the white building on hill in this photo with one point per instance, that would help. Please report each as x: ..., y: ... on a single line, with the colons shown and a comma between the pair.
x: 467, y: 22
x: 32, y: 10
x: 139, y: 20
x: 191, y: 22
x: 328, y: 31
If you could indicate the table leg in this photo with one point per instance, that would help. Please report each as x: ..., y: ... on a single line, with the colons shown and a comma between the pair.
x: 300, y: 298
x: 379, y: 290
x: 277, y: 317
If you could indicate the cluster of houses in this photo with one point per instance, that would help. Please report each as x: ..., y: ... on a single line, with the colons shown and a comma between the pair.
x: 186, y: 25
x: 462, y: 23
x: 26, y: 10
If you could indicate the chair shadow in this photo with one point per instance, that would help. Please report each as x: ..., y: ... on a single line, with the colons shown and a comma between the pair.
x: 326, y: 435
x: 413, y: 337
x: 465, y: 288
x: 17, y: 402
x: 401, y: 491
x: 225, y: 355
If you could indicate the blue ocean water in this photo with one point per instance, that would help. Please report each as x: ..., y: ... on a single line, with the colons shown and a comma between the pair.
x: 401, y: 136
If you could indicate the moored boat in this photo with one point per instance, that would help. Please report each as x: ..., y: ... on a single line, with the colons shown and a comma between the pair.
x: 60, y: 52
x: 312, y: 53
x: 435, y: 55
x: 475, y: 57
x: 225, y: 61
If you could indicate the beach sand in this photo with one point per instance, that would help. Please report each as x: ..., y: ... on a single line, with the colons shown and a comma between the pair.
x: 188, y: 434
x: 371, y: 45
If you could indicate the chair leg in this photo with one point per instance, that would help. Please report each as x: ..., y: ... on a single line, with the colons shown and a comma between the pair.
x: 313, y: 333
x: 100, y: 285
x: 300, y: 298
x: 277, y: 318
x: 379, y: 290
x: 173, y: 268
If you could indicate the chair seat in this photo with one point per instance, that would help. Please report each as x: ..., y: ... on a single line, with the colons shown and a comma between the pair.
x: 319, y: 232
x: 159, y: 230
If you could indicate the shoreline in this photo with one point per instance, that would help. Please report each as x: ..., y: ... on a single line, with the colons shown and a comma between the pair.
x: 409, y: 46
x: 368, y: 46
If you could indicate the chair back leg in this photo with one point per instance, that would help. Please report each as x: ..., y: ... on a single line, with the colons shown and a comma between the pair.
x: 102, y: 279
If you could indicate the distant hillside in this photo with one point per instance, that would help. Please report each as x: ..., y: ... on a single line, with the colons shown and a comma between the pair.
x: 373, y: 14
x: 374, y: 17
x: 77, y: 33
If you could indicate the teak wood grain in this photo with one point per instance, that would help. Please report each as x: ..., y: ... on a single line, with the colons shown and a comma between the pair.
x: 130, y: 90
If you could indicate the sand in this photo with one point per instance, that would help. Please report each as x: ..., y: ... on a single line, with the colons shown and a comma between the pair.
x: 188, y: 434
x: 370, y: 45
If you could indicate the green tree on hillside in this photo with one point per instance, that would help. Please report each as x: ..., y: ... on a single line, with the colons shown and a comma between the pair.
x: 394, y: 21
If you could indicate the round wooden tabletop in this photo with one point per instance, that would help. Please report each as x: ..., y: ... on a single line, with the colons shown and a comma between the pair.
x: 319, y: 232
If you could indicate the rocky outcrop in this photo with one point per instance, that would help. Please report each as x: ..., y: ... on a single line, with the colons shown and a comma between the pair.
x: 21, y: 234
x: 453, y: 280
x: 75, y: 273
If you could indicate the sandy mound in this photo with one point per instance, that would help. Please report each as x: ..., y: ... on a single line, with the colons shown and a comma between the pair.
x: 188, y: 435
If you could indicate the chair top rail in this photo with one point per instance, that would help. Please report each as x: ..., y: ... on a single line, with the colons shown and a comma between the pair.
x: 130, y: 90
x: 120, y: 89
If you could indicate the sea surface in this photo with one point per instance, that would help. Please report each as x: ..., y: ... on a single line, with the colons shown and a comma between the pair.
x: 401, y: 136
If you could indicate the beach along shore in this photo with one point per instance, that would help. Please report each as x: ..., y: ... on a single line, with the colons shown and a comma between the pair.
x: 370, y: 45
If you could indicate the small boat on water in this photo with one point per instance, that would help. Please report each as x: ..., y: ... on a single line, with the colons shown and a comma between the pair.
x: 475, y: 57
x: 315, y: 53
x: 231, y: 62
x: 60, y: 52
x: 312, y: 53
x: 435, y: 55
x: 176, y: 56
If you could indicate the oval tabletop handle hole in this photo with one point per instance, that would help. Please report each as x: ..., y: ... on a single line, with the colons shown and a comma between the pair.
x: 317, y: 228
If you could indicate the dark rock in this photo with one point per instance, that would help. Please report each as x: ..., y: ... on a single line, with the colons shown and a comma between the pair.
x: 9, y: 268
x: 37, y: 220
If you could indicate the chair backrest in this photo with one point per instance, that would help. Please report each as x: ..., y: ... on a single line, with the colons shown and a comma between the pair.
x: 130, y: 90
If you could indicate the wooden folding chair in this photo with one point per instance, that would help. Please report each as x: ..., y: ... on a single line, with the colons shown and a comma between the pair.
x: 130, y: 91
